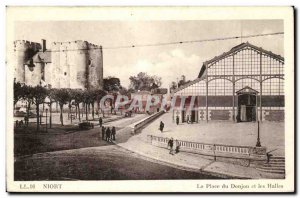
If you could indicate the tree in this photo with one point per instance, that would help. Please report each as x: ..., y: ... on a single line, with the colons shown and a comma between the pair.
x: 78, y: 96
x: 39, y: 94
x: 111, y: 84
x: 28, y: 94
x: 71, y: 97
x: 183, y: 81
x: 18, y: 92
x: 143, y: 81
x: 51, y: 98
x: 173, y: 86
x: 100, y: 95
x: 124, y: 91
x: 93, y: 99
x: 62, y: 97
x: 87, y: 100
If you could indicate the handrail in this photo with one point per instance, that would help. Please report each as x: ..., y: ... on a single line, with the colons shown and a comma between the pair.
x: 137, y: 125
x: 204, y: 146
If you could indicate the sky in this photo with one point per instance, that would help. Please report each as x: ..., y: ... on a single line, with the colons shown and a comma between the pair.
x: 168, y: 62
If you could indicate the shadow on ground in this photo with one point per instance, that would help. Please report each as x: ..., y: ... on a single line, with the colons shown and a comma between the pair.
x: 38, y: 143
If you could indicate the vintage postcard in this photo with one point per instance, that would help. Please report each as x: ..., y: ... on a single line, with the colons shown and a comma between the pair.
x: 150, y: 99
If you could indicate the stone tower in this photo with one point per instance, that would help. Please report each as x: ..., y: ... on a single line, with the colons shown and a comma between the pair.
x: 77, y: 65
x: 24, y: 71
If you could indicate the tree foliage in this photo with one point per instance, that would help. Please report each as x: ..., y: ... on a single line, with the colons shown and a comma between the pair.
x: 143, y: 81
x: 111, y: 84
x: 37, y: 95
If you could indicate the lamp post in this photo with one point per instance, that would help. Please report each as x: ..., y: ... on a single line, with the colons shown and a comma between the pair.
x: 49, y: 103
x: 46, y: 119
x: 258, y: 138
x: 71, y: 104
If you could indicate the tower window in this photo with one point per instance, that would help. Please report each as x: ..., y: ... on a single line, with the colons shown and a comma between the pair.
x: 65, y: 73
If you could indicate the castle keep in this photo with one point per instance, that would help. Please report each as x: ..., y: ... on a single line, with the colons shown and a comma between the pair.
x: 76, y: 64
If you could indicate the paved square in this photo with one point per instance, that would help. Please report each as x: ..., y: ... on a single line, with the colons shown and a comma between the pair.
x: 221, y: 132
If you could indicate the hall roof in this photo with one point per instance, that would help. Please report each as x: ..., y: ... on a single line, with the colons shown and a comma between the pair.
x: 238, y: 48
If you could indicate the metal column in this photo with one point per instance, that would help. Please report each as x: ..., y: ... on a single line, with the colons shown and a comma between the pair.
x: 233, y: 100
x: 206, y: 94
x: 260, y: 83
x: 233, y: 90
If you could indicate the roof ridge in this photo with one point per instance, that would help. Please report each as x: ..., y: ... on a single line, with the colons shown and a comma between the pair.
x: 240, y: 46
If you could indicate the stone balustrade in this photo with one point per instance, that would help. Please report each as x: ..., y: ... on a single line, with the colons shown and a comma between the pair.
x: 243, y: 155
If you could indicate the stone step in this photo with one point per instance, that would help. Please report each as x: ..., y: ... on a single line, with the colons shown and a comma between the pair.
x: 272, y: 168
x: 271, y: 171
x: 277, y: 157
x: 277, y: 160
x: 273, y: 165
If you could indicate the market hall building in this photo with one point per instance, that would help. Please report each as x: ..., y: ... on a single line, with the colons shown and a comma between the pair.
x: 245, y: 84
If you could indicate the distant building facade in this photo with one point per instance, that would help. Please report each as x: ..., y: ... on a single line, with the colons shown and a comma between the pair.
x: 76, y: 64
x: 244, y: 84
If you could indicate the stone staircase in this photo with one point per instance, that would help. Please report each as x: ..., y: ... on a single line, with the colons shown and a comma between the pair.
x: 275, y: 165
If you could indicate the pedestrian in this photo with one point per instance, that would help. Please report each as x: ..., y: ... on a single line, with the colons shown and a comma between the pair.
x: 108, y: 134
x: 17, y: 123
x: 188, y: 119
x: 21, y: 124
x: 113, y: 133
x: 100, y: 122
x: 103, y: 133
x: 170, y: 144
x: 269, y: 155
x: 177, y: 146
x: 177, y: 119
x: 161, y: 126
x: 25, y: 120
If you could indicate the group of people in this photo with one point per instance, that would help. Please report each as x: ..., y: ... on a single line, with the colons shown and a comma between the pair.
x: 188, y: 120
x: 171, y: 146
x: 108, y: 134
x: 21, y: 123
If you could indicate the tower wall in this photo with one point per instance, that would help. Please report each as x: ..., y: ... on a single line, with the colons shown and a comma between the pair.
x: 23, y: 50
x: 95, y: 67
x: 33, y: 75
x: 64, y: 73
x: 55, y: 65
x: 78, y: 65
x: 48, y: 72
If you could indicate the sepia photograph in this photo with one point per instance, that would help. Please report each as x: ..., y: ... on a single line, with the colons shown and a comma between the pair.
x: 147, y: 97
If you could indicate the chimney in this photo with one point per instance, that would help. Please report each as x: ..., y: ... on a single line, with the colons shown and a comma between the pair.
x: 44, y: 45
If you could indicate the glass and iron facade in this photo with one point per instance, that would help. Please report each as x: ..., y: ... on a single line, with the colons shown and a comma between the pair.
x: 243, y: 84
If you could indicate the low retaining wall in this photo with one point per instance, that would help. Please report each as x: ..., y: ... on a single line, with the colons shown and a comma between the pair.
x: 242, y: 155
x: 142, y: 123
